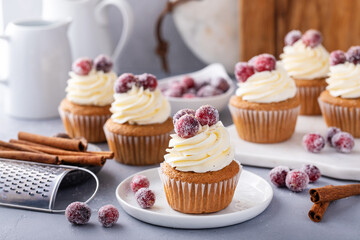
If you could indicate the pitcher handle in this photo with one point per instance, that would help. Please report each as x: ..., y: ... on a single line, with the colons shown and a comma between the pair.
x: 127, y: 16
x: 6, y: 38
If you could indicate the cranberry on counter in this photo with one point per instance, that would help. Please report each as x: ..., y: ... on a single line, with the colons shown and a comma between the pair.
x: 278, y: 175
x: 296, y: 180
x: 78, y: 213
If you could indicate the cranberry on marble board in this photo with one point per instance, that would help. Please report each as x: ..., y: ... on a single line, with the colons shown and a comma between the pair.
x: 343, y: 142
x: 313, y: 142
x: 330, y: 132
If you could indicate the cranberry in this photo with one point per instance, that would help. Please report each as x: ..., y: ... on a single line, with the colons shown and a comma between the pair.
x: 208, y: 91
x: 353, y: 54
x: 313, y: 142
x: 337, y: 57
x: 124, y: 83
x: 343, y: 142
x: 296, y: 180
x: 78, y: 213
x: 264, y: 62
x: 179, y: 86
x: 173, y: 92
x: 243, y: 71
x: 331, y: 131
x: 312, y: 38
x: 108, y: 215
x: 207, y: 115
x: 189, y: 95
x: 181, y: 113
x: 201, y: 83
x: 82, y: 66
x: 147, y: 81
x: 278, y: 175
x: 312, y: 171
x: 189, y: 82
x: 139, y: 181
x: 187, y: 126
x: 191, y: 90
x: 145, y: 197
x: 292, y: 37
x: 103, y: 63
x: 220, y: 83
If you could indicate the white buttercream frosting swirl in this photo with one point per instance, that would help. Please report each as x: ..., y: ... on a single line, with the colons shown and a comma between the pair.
x: 208, y: 150
x: 302, y: 62
x: 96, y: 88
x: 267, y: 86
x: 344, y: 80
x: 139, y: 106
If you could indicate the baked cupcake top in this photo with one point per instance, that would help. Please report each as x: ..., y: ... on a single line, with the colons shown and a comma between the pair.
x: 264, y: 80
x: 304, y: 56
x: 344, y: 76
x: 201, y: 143
x: 138, y: 100
x: 91, y: 82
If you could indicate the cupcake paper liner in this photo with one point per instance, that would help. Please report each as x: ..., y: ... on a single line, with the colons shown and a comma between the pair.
x: 308, y: 99
x: 87, y: 126
x: 262, y: 126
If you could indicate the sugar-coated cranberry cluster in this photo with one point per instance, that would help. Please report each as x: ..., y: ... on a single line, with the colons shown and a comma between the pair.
x: 340, y: 57
x: 311, y: 38
x: 187, y: 121
x: 260, y: 63
x: 83, y: 66
x: 144, y: 196
x: 127, y: 80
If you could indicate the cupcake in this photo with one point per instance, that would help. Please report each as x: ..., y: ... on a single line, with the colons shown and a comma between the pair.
x: 265, y: 107
x: 199, y: 174
x: 138, y: 131
x: 307, y: 62
x: 86, y: 107
x: 340, y: 102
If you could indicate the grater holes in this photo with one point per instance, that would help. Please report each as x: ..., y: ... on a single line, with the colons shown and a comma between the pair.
x: 12, y: 188
x: 32, y: 188
x: 31, y: 194
x: 18, y: 192
x: 25, y: 190
x: 44, y: 195
x: 6, y: 190
x: 46, y: 190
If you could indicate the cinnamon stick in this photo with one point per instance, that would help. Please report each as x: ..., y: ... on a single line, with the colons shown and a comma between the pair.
x: 105, y: 154
x: 62, y: 143
x: 15, y: 146
x: 331, y: 193
x: 29, y: 156
x: 83, y: 160
x: 317, y: 211
x: 55, y: 151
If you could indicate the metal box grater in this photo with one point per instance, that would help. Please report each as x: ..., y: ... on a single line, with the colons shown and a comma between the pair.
x: 34, y: 186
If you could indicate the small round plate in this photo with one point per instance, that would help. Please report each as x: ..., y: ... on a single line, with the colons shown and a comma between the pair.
x: 252, y: 196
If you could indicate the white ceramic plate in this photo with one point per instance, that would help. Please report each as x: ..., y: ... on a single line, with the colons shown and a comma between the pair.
x: 252, y: 196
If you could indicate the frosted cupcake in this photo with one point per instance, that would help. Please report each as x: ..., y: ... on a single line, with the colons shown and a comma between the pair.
x: 86, y: 107
x: 265, y: 107
x: 340, y: 103
x: 138, y: 131
x: 199, y: 173
x: 307, y: 62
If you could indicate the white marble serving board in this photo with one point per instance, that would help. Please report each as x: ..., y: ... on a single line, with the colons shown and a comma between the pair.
x: 291, y: 153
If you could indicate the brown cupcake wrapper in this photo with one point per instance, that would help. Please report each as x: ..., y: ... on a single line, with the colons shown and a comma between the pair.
x: 199, y: 198
x: 261, y: 126
x: 87, y: 126
x: 308, y: 97
x: 138, y: 150
x: 345, y: 118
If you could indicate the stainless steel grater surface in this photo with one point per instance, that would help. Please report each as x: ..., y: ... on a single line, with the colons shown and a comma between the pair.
x: 33, y: 185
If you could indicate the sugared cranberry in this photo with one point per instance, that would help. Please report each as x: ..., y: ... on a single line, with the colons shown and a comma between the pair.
x: 103, y: 63
x: 82, y: 66
x: 292, y: 37
x: 178, y: 86
x: 189, y: 95
x: 78, y: 213
x: 220, y: 83
x: 181, y: 113
x: 208, y: 91
x: 187, y: 126
x: 124, y: 83
x: 173, y: 92
x: 139, y: 181
x: 296, y: 180
x: 199, y: 83
x: 207, y: 115
x: 313, y: 142
x: 312, y: 171
x: 147, y: 81
x: 108, y: 215
x: 145, y: 197
x: 264, y: 62
x: 353, y: 55
x: 188, y: 81
x: 243, y: 71
x: 331, y: 131
x: 312, y: 38
x: 337, y: 57
x: 343, y: 142
x: 278, y: 175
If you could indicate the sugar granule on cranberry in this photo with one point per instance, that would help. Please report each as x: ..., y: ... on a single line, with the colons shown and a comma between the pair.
x: 181, y: 113
x: 208, y: 91
x: 103, y: 63
x: 337, y: 57
x: 292, y: 37
x: 124, y: 83
x: 145, y: 197
x: 330, y: 132
x: 188, y: 81
x: 264, y: 62
x: 78, y: 213
x: 313, y: 142
x: 343, y: 142
x: 312, y: 38
x: 187, y: 126
x: 147, y: 81
x: 108, y: 215
x: 243, y: 71
x: 278, y: 175
x: 296, y: 180
x: 82, y: 66
x: 207, y: 115
x: 220, y: 83
x: 353, y: 55
x: 312, y: 171
x: 139, y: 181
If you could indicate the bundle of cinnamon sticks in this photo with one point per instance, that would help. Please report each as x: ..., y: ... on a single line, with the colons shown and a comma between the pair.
x: 51, y: 150
x: 322, y: 197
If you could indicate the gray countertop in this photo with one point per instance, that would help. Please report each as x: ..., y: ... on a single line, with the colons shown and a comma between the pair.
x: 285, y: 218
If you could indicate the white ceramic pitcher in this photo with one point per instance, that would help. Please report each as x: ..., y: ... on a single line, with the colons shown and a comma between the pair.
x: 39, y: 62
x: 89, y: 33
